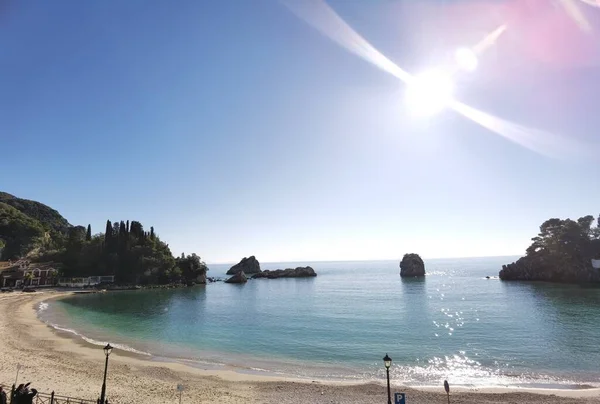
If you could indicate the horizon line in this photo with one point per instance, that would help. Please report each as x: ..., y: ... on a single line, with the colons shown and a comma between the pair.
x: 363, y: 260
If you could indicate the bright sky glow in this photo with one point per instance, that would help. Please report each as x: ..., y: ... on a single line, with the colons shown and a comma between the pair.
x: 429, y: 92
x: 466, y: 59
x: 322, y: 17
x: 239, y: 131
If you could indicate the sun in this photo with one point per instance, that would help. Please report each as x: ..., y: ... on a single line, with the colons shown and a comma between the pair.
x: 429, y: 93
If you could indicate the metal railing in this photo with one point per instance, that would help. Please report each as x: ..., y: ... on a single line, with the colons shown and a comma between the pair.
x: 51, y: 398
x: 44, y: 398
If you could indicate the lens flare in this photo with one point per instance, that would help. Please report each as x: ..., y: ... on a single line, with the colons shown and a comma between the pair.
x: 323, y: 18
x: 429, y: 93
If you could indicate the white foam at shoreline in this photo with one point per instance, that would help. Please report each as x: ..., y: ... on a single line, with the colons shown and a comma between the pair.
x: 43, y: 306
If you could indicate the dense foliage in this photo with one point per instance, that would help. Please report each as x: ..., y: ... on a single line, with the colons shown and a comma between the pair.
x: 561, y: 252
x: 125, y: 249
x: 18, y: 232
x: 49, y: 218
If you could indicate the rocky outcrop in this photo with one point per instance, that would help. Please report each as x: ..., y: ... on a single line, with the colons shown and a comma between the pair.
x: 563, y: 251
x: 412, y: 266
x: 538, y: 268
x: 300, y: 272
x: 248, y: 265
x: 239, y: 277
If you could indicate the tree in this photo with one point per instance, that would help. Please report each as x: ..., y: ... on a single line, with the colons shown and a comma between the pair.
x: 193, y: 269
x: 108, y: 232
x: 586, y: 223
x: 596, y: 231
x: 19, y: 232
x: 561, y: 252
x: 137, y: 229
x: 28, y: 277
x: 33, y: 230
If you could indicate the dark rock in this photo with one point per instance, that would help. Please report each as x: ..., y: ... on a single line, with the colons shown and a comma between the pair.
x: 239, y: 277
x: 564, y: 251
x: 412, y: 266
x: 539, y: 268
x: 248, y: 265
x: 300, y: 272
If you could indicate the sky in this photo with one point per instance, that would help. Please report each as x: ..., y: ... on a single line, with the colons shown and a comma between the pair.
x: 235, y: 128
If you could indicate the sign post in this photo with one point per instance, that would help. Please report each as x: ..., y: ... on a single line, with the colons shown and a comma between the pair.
x: 180, y: 389
x: 447, y: 388
x: 399, y: 398
x: 18, y: 368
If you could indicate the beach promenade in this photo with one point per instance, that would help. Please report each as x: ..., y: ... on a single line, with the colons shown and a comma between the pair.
x: 56, y: 362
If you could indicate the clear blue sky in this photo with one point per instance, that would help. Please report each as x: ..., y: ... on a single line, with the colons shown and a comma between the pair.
x: 234, y: 128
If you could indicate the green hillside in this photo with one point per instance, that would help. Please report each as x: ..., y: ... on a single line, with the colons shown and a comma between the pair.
x: 127, y: 251
x: 49, y: 218
x: 19, y: 233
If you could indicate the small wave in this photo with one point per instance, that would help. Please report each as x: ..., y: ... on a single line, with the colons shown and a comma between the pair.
x: 43, y: 306
x: 92, y: 341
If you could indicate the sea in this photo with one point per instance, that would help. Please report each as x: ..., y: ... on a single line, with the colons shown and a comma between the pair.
x: 455, y: 325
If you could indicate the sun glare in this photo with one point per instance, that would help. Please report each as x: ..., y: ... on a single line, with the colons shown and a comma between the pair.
x: 429, y: 92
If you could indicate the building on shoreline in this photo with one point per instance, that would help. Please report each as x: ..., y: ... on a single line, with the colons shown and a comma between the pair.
x: 87, y: 281
x: 24, y: 273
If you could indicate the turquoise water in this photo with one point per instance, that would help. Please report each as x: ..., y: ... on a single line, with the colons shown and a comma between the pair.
x: 454, y: 324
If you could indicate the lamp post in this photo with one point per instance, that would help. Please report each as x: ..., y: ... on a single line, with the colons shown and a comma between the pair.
x: 107, y: 350
x: 387, y: 361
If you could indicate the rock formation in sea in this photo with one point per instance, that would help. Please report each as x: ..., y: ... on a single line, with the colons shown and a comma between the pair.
x: 239, y: 277
x: 562, y: 252
x: 299, y: 272
x: 412, y: 266
x: 249, y: 265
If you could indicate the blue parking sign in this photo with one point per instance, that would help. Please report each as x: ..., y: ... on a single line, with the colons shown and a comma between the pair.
x: 399, y: 398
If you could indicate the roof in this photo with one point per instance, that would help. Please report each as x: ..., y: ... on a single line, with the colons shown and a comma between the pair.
x: 11, y: 268
x: 41, y: 265
x: 12, y: 275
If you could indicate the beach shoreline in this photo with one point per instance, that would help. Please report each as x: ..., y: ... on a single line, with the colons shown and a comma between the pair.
x: 54, y: 359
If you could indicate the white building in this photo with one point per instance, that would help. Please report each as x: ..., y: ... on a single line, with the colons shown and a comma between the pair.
x: 85, y: 281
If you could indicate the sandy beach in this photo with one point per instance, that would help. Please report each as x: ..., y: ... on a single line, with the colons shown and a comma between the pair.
x: 53, y: 361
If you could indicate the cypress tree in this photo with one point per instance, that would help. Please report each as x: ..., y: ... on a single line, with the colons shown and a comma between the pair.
x: 88, y: 234
x: 151, y: 233
x: 108, y: 232
x: 122, y: 230
x: 127, y: 227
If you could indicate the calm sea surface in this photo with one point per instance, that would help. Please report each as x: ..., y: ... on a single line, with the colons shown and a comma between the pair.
x: 454, y: 325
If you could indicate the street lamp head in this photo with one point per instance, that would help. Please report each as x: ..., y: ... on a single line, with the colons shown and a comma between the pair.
x: 387, y: 361
x: 107, y: 349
